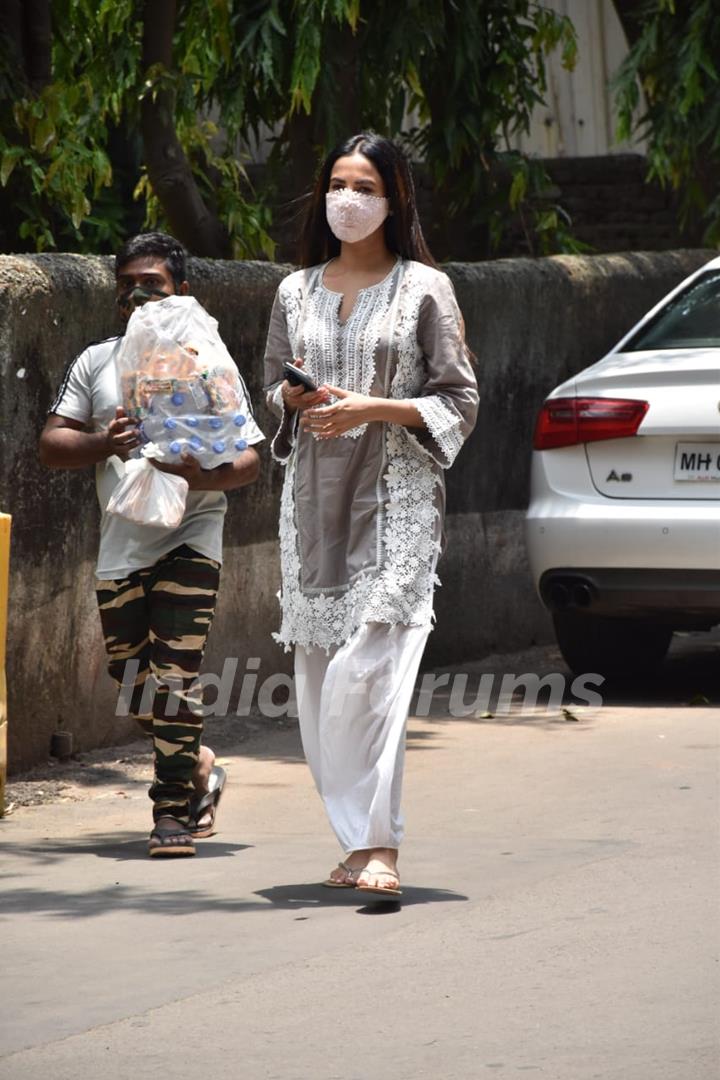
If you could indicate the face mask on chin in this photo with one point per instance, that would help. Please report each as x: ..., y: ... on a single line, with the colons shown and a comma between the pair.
x: 353, y: 215
x: 136, y: 297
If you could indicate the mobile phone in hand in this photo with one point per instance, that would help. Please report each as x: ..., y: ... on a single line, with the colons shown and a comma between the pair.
x: 297, y: 377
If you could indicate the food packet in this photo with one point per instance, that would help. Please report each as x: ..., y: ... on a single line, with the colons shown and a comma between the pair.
x: 178, y: 380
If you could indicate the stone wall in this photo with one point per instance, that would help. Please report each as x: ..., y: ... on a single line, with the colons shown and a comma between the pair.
x: 531, y: 323
x: 614, y: 207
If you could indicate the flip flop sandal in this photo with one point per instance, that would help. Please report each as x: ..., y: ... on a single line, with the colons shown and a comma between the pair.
x: 351, y: 874
x: 209, y: 801
x: 385, y: 890
x: 166, y: 847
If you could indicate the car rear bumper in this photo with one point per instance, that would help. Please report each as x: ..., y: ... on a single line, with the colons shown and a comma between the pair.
x: 564, y: 530
x: 686, y: 599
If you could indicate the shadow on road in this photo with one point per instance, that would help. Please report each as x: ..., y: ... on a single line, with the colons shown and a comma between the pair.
x: 164, y: 895
x: 292, y: 897
x: 122, y: 847
x: 536, y: 688
x: 690, y: 676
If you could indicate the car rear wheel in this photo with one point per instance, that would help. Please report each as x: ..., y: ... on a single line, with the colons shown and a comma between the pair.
x: 620, y: 649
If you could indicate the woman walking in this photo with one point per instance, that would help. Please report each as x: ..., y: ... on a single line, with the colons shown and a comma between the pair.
x: 376, y: 326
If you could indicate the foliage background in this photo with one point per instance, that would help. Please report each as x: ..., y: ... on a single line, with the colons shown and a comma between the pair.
x: 117, y: 115
x: 76, y: 147
x: 674, y: 58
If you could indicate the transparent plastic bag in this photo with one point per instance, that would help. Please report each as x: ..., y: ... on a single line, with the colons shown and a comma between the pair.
x: 147, y: 496
x: 178, y: 380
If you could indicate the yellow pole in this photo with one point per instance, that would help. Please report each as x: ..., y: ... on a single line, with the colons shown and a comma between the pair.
x: 4, y: 589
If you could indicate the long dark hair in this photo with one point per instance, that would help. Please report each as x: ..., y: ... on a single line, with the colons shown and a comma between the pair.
x: 403, y: 234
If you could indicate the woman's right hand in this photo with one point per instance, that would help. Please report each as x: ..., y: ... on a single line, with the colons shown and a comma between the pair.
x: 297, y: 398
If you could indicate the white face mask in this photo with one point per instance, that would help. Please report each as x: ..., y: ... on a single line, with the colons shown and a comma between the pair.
x: 353, y: 215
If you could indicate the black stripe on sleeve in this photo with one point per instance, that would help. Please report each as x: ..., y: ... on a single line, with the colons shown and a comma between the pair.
x: 69, y: 369
x: 248, y: 399
x: 63, y: 385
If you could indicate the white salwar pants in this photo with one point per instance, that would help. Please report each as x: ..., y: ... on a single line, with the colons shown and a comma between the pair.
x: 352, y: 705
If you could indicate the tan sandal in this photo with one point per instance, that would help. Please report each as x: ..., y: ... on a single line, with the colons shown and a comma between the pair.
x: 387, y: 890
x: 350, y: 881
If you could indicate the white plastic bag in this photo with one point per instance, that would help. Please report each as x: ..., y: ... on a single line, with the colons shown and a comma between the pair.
x: 179, y: 381
x: 148, y: 496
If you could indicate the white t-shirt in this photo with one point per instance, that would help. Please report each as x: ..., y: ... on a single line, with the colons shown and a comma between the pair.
x: 89, y: 394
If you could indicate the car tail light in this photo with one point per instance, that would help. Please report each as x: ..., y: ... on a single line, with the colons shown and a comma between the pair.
x: 569, y: 421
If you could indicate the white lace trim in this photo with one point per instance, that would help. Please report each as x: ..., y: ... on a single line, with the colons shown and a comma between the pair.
x: 402, y: 592
x: 343, y: 354
x: 442, y: 423
x: 408, y: 378
x: 291, y: 302
x: 283, y: 442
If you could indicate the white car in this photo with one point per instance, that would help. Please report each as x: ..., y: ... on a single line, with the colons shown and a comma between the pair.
x: 623, y: 527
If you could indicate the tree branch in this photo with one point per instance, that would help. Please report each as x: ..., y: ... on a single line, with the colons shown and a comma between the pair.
x: 170, y: 174
x: 630, y: 19
x: 27, y: 30
x: 38, y: 43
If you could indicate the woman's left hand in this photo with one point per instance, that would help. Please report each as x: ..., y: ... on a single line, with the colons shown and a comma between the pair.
x: 349, y: 411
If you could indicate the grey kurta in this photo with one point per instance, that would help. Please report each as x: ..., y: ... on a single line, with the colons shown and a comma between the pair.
x: 361, y: 515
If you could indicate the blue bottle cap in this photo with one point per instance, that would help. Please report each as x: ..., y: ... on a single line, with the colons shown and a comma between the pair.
x: 215, y: 423
x: 177, y: 398
x: 197, y: 444
x: 239, y: 420
x: 192, y: 421
x: 219, y: 446
x: 175, y: 447
x: 170, y: 422
x: 240, y: 444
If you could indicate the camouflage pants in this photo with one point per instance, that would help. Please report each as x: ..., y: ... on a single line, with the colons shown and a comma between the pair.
x: 160, y: 619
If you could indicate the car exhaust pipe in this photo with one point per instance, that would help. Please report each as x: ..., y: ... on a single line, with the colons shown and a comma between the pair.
x: 566, y: 592
x: 559, y: 596
x: 582, y: 595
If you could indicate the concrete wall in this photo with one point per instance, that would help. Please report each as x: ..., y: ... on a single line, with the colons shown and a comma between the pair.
x: 531, y: 324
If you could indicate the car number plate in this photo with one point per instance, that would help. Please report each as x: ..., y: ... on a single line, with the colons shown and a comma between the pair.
x: 697, y: 461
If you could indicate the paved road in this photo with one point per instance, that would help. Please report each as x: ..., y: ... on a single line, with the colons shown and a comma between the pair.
x: 560, y: 916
